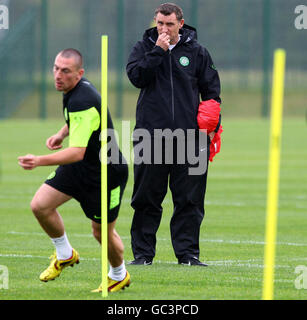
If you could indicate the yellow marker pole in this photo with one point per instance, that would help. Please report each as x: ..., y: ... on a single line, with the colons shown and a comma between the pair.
x: 103, y: 155
x: 273, y: 173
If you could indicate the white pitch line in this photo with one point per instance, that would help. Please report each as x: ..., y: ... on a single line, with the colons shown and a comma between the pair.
x: 212, y: 263
x: 251, y: 242
x: 233, y: 263
x: 44, y: 234
x: 30, y: 256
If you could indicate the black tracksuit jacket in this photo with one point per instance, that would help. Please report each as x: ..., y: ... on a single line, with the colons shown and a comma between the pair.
x: 171, y: 82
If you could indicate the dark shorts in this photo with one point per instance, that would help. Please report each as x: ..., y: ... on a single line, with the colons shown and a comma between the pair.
x: 70, y: 180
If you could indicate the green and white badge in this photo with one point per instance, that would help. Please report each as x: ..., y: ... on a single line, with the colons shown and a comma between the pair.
x: 184, y: 61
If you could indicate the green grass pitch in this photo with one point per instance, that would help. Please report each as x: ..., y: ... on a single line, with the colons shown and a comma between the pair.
x: 232, y: 235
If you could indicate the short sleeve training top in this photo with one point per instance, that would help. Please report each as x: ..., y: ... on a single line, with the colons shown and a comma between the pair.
x: 82, y: 110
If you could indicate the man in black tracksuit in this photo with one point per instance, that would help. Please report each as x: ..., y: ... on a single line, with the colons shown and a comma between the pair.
x: 173, y: 71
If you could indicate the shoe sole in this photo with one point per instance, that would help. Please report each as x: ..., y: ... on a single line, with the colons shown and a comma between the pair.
x: 126, y: 285
x: 140, y: 264
x: 123, y: 288
x: 77, y: 262
x: 193, y: 265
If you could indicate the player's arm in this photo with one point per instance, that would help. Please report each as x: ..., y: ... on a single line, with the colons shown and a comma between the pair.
x: 81, y: 126
x: 68, y: 155
x: 55, y: 141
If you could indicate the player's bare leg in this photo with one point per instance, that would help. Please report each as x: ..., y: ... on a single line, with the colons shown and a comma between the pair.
x: 119, y: 277
x: 115, y: 244
x: 44, y: 206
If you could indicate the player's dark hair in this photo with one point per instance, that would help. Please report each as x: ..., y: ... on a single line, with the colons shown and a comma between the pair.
x: 168, y: 8
x: 70, y: 52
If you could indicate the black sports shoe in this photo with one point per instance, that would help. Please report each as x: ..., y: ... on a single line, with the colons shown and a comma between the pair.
x: 192, y: 261
x: 141, y: 261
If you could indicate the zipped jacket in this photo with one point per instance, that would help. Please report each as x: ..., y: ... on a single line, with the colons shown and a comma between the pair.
x: 171, y: 81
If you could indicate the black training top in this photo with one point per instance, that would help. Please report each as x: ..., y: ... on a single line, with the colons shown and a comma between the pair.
x: 82, y: 110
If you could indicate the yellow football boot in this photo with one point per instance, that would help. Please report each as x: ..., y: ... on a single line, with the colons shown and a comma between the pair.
x: 56, y: 266
x: 114, y: 285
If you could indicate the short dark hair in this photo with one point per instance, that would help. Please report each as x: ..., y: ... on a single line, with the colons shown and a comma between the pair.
x: 70, y: 52
x: 168, y: 8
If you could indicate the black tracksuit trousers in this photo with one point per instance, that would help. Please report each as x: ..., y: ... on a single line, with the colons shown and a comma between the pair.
x: 188, y: 194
